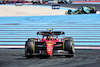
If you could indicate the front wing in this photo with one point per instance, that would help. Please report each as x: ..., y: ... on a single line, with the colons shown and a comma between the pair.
x: 55, y: 53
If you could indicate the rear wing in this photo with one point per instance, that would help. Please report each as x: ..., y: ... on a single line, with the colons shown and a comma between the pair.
x: 46, y: 33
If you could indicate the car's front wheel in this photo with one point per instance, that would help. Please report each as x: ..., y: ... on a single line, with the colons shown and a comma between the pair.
x: 29, y: 48
x: 69, y: 46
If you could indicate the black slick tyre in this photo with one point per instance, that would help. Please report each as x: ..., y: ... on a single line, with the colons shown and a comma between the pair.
x: 29, y: 48
x: 68, y: 46
x: 69, y: 11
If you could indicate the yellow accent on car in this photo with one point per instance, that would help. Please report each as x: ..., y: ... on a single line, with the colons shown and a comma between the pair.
x: 50, y: 29
x: 49, y: 44
x: 66, y: 12
x: 33, y: 46
x: 72, y: 42
x: 93, y: 7
x: 64, y: 44
x: 32, y: 39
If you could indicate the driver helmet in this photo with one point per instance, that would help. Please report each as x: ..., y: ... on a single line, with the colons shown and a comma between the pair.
x: 92, y: 7
x: 50, y: 37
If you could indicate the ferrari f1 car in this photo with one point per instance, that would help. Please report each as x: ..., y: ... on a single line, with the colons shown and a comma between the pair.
x: 50, y: 45
x: 82, y: 10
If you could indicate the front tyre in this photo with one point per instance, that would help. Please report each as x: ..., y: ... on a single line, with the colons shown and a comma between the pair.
x: 69, y: 46
x: 29, y: 48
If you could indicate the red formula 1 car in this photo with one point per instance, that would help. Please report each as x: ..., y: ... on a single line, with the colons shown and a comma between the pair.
x: 50, y: 45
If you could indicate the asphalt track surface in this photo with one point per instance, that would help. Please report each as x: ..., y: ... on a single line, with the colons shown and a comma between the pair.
x: 79, y: 5
x: 82, y: 58
x: 76, y: 6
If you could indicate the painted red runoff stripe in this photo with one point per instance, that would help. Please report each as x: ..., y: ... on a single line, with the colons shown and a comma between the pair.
x: 24, y: 47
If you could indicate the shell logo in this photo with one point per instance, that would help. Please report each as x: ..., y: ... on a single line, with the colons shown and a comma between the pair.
x: 49, y: 44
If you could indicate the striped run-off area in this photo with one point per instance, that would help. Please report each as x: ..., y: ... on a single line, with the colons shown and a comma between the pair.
x: 18, y: 34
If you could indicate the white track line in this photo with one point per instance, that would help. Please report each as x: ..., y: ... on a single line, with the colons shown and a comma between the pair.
x: 98, y: 12
x: 87, y: 47
x: 24, y: 47
x: 12, y: 46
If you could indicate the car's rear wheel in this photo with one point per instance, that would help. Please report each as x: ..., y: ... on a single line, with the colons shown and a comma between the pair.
x: 32, y: 39
x: 29, y: 48
x: 69, y: 11
x: 69, y: 46
x: 26, y: 53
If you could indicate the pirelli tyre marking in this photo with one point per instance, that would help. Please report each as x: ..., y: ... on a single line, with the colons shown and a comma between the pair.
x: 73, y: 49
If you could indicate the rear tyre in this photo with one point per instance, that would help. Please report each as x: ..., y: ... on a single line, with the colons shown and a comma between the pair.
x: 93, y: 11
x: 69, y: 11
x: 26, y: 53
x: 33, y: 2
x: 31, y: 39
x: 29, y: 48
x: 69, y: 46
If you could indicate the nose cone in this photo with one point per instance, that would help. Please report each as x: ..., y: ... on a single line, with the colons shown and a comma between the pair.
x: 49, y: 49
x: 49, y: 52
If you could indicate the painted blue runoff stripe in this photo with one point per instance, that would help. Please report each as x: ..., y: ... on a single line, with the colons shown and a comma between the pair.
x: 59, y: 37
x: 56, y: 28
x: 45, y: 24
x: 62, y: 36
x: 68, y: 32
x: 60, y: 20
x: 26, y: 40
x: 34, y: 33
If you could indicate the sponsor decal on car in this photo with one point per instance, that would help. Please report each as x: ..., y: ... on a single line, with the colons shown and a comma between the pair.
x: 49, y: 44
